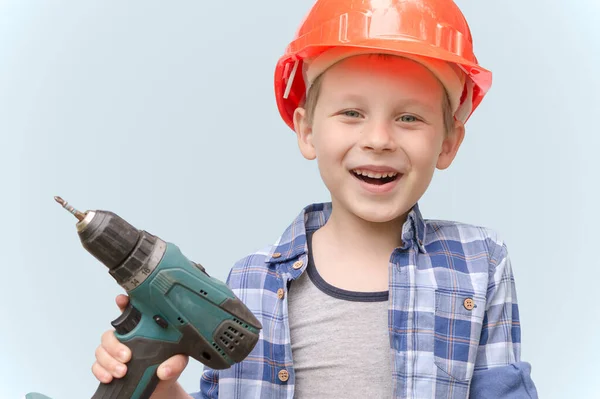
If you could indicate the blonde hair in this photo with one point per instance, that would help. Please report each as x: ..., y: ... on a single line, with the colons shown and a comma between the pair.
x: 312, y: 97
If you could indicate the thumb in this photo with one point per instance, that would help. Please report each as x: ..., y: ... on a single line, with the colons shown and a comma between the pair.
x: 172, y: 368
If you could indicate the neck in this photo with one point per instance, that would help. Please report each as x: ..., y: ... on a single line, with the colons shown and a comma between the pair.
x: 354, y: 235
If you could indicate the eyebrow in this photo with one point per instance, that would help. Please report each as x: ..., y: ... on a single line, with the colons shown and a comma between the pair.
x: 417, y: 103
x: 408, y: 102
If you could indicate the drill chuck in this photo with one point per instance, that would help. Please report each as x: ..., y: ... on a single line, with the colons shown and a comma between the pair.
x: 130, y: 254
x: 106, y: 236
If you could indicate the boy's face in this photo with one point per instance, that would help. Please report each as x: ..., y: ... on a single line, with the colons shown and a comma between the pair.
x: 375, y: 116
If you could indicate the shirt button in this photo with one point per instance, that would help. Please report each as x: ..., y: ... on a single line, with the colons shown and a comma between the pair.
x: 283, y: 375
x: 280, y: 293
x: 298, y: 264
x: 469, y: 304
x: 276, y: 255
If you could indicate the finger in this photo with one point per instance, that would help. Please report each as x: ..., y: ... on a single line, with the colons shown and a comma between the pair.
x: 172, y: 367
x: 101, y: 374
x: 122, y: 301
x: 109, y: 363
x: 115, y: 348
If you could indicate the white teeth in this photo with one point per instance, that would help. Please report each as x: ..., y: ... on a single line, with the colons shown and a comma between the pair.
x: 373, y: 174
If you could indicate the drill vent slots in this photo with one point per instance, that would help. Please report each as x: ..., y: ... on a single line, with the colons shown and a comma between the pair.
x: 231, y: 338
x: 218, y: 349
x: 240, y: 323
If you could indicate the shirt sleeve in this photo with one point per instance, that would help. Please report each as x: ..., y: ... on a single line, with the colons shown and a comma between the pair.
x: 499, y: 372
x: 209, y: 385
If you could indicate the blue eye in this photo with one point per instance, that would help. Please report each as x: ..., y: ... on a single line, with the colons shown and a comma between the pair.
x: 408, y: 118
x: 351, y: 114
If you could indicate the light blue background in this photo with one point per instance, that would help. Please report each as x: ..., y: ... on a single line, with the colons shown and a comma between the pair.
x: 163, y: 112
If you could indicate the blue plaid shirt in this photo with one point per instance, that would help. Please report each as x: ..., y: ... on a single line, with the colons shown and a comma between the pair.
x: 453, y: 315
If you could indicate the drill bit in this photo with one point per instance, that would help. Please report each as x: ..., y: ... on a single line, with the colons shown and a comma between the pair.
x: 65, y: 204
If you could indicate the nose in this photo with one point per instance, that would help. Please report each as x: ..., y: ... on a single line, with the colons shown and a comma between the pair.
x: 378, y: 137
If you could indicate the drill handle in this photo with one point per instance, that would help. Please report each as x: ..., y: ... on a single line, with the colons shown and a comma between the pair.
x: 140, y: 380
x: 152, y: 341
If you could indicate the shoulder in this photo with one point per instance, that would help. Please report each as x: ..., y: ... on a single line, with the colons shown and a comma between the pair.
x: 251, y: 270
x: 472, y: 241
x: 260, y: 269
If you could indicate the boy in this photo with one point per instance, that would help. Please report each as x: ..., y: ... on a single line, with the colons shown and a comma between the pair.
x: 362, y: 297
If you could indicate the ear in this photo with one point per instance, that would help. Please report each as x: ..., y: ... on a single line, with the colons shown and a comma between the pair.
x: 450, y: 145
x: 304, y: 133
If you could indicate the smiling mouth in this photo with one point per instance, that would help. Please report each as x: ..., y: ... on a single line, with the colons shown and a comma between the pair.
x: 375, y: 178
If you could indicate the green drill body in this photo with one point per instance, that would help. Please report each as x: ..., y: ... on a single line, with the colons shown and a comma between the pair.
x: 174, y: 307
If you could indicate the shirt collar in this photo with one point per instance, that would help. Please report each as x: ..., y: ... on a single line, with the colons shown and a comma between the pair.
x: 414, y: 229
x: 292, y: 242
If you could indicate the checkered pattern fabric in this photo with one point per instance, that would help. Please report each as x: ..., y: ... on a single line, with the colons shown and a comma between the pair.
x: 452, y: 310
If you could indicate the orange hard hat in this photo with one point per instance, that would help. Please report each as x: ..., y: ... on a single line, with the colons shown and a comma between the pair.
x: 431, y: 29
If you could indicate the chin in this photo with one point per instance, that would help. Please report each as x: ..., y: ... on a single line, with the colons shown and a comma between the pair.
x: 378, y: 213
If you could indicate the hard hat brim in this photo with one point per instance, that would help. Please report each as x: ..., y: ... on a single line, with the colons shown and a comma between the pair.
x: 420, y: 35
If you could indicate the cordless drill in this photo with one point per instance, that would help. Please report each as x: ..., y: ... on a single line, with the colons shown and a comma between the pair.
x: 174, y: 306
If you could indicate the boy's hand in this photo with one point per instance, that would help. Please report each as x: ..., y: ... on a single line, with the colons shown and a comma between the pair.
x: 112, y: 356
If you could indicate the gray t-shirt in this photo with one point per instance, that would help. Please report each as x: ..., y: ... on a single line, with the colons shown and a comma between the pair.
x: 340, y: 339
